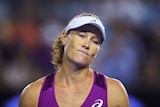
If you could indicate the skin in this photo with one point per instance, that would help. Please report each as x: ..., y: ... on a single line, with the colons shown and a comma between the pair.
x: 80, y: 50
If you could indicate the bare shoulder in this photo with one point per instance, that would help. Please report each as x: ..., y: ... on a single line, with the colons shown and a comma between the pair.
x: 117, y: 94
x: 30, y: 94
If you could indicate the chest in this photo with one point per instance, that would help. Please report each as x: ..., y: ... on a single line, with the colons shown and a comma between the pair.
x: 92, y: 94
x: 72, y: 97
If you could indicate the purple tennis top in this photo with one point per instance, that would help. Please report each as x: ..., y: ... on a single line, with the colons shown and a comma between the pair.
x: 96, y: 98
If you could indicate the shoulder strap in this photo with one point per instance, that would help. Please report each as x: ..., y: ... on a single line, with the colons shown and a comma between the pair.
x: 48, y: 82
x: 100, y: 80
x: 46, y: 98
x: 98, y: 94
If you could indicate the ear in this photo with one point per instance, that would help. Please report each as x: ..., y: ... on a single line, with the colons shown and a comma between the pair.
x: 63, y: 37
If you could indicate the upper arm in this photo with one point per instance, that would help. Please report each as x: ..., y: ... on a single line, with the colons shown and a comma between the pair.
x: 117, y: 94
x: 29, y: 96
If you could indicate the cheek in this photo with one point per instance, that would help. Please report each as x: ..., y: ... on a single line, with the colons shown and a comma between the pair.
x: 69, y: 47
x: 94, y: 52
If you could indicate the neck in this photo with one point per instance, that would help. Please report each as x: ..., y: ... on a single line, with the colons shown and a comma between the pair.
x: 69, y: 76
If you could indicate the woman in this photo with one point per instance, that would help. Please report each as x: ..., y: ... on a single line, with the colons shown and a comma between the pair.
x: 75, y: 84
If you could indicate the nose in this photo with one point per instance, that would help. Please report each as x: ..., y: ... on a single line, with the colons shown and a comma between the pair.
x: 86, y: 43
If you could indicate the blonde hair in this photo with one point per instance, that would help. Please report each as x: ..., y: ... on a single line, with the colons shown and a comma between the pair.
x: 58, y: 47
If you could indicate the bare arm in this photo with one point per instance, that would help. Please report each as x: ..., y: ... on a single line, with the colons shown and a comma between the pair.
x: 117, y: 94
x: 30, y: 95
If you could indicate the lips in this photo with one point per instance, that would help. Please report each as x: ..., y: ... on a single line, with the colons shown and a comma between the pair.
x: 83, y: 52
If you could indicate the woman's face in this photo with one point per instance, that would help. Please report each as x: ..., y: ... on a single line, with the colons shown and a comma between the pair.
x: 81, y: 47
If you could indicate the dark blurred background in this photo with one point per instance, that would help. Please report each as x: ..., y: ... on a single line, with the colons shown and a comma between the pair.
x: 131, y: 52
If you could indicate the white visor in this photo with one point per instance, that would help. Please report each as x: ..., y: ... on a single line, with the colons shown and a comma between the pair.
x: 83, y: 20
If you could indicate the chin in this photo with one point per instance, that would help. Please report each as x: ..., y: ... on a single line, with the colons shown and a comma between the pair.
x: 82, y: 63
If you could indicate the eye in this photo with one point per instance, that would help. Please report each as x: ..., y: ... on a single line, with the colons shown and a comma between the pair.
x: 81, y: 35
x: 96, y: 42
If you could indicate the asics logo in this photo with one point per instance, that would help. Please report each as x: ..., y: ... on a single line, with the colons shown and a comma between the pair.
x: 98, y: 103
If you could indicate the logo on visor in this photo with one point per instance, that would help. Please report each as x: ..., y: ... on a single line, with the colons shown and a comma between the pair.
x: 93, y: 20
x: 98, y: 103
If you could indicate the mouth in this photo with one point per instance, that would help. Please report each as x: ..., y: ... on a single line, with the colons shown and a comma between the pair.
x: 83, y: 52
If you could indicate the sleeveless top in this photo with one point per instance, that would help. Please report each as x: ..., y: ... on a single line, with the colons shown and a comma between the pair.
x: 96, y: 98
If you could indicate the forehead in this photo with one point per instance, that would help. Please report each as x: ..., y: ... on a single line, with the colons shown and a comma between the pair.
x: 89, y: 28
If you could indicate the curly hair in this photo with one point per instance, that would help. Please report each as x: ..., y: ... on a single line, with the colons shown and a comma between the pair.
x: 58, y: 47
